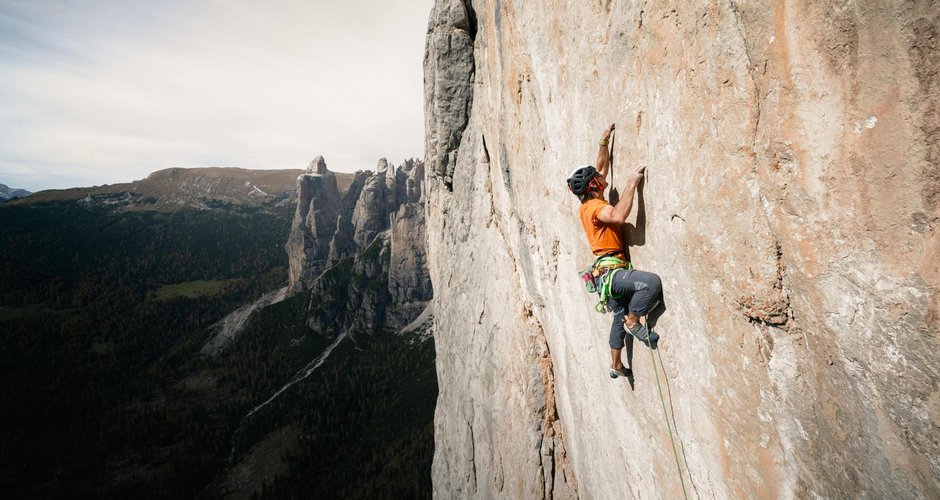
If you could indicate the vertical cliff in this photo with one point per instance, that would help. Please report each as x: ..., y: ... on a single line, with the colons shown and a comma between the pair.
x: 791, y: 206
x: 316, y: 218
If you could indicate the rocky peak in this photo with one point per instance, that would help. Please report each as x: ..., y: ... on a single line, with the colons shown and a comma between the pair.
x: 382, y: 166
x: 409, y: 182
x: 351, y: 243
x: 379, y: 223
x: 317, y: 166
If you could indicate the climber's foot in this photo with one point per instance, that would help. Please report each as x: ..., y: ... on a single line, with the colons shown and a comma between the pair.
x: 643, y: 333
x: 620, y: 372
x: 654, y: 340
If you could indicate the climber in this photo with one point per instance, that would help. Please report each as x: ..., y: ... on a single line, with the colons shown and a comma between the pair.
x: 629, y: 293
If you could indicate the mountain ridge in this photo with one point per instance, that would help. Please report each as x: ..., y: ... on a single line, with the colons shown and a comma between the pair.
x: 7, y: 193
x: 176, y: 187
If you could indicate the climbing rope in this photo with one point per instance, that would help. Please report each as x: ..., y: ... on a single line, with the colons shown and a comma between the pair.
x: 662, y: 400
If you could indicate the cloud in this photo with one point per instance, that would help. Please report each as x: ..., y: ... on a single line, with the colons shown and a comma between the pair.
x: 112, y: 92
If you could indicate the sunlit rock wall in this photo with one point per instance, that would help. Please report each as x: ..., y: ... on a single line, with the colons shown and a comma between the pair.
x: 791, y: 206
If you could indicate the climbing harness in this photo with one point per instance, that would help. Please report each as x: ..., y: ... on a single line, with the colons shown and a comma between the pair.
x: 662, y: 400
x: 599, y: 275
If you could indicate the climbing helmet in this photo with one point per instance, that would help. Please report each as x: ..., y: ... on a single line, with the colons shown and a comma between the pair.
x: 579, y: 182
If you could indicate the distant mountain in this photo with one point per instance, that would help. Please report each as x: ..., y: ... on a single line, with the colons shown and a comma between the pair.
x: 7, y: 193
x: 174, y: 188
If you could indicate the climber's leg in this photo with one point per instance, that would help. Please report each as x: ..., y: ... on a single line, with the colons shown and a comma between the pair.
x: 639, y: 288
x: 631, y: 320
x: 642, y: 290
x: 615, y: 361
x: 649, y: 290
x: 617, y: 333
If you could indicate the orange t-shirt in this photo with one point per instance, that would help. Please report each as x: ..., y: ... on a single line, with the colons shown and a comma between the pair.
x: 604, y: 238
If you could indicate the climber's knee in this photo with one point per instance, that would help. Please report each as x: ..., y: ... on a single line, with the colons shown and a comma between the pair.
x: 649, y: 289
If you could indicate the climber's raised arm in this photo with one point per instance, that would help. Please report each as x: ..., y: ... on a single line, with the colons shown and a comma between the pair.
x: 603, y: 153
x: 617, y: 214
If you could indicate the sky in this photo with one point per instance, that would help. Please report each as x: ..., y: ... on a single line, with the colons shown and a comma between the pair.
x: 103, y: 92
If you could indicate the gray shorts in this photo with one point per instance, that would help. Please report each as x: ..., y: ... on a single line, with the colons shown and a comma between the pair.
x: 639, y: 291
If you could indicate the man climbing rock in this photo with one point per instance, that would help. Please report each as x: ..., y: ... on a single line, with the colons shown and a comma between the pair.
x: 628, y: 292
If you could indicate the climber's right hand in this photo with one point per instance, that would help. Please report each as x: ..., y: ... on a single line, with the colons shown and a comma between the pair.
x: 636, y: 176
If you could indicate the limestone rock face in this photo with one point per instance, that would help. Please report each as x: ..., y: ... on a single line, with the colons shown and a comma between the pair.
x: 315, y: 222
x: 407, y: 246
x: 791, y: 206
x: 371, y: 213
x: 344, y: 242
x: 448, y: 83
x: 365, y: 248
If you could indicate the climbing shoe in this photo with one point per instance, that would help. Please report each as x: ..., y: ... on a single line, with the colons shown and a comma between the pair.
x: 620, y: 372
x: 644, y: 334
